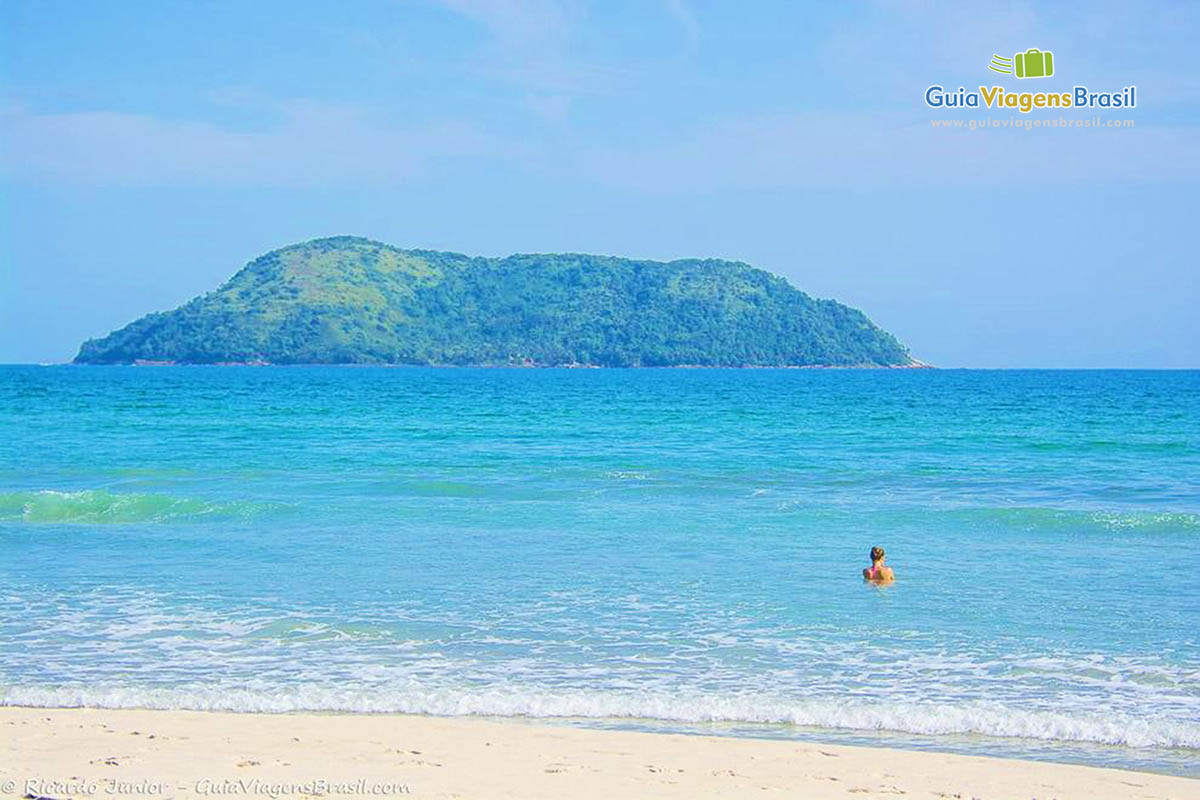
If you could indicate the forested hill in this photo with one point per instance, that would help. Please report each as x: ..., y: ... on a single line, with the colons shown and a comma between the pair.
x: 347, y: 300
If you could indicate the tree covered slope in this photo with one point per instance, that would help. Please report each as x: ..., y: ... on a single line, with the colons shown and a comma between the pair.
x: 347, y: 300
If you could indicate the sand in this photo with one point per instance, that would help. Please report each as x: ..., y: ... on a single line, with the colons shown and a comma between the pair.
x: 63, y: 753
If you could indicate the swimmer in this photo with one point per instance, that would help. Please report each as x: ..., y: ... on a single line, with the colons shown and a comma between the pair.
x: 878, y: 573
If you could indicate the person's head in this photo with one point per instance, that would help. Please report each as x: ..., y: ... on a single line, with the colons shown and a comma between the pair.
x: 877, y: 555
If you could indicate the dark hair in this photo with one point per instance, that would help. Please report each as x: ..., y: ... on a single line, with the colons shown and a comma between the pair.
x: 877, y: 553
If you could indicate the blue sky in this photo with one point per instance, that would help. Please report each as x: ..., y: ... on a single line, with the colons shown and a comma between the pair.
x: 150, y: 149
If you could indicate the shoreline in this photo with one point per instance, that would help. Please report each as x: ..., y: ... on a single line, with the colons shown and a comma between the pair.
x: 916, y: 364
x: 75, y: 752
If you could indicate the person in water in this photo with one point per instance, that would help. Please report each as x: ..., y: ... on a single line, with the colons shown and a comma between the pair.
x: 878, y: 573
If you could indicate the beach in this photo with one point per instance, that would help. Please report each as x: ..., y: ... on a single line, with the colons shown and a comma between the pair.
x: 678, y: 550
x: 138, y: 753
x: 566, y: 399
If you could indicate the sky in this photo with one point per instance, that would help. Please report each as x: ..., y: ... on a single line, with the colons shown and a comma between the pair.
x: 148, y: 150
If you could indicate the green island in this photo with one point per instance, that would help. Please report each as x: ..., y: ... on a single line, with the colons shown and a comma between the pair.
x: 348, y: 300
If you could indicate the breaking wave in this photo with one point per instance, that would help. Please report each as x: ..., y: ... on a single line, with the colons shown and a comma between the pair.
x: 98, y: 506
x: 847, y: 715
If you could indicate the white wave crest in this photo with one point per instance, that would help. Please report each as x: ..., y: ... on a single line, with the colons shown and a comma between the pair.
x: 844, y: 714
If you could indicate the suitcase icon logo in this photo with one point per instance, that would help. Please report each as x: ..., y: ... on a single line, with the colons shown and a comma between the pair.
x: 1033, y: 63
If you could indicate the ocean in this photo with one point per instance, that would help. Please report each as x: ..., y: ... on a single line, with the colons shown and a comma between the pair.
x: 671, y: 549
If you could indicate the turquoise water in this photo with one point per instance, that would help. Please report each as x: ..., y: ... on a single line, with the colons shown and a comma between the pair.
x: 672, y: 549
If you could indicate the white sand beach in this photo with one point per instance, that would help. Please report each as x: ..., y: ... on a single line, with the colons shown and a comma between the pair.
x: 61, y: 753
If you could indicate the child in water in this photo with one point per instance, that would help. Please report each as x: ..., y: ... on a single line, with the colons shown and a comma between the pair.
x: 878, y: 573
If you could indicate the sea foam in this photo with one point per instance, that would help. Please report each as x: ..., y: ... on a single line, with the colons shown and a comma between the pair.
x: 982, y: 719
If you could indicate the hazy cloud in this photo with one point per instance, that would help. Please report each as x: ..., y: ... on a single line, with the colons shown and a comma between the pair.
x: 323, y: 145
x: 889, y: 149
x: 682, y: 14
x: 531, y: 44
x: 528, y: 24
x: 314, y: 144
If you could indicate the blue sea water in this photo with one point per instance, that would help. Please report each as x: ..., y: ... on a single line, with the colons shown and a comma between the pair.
x: 666, y: 549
